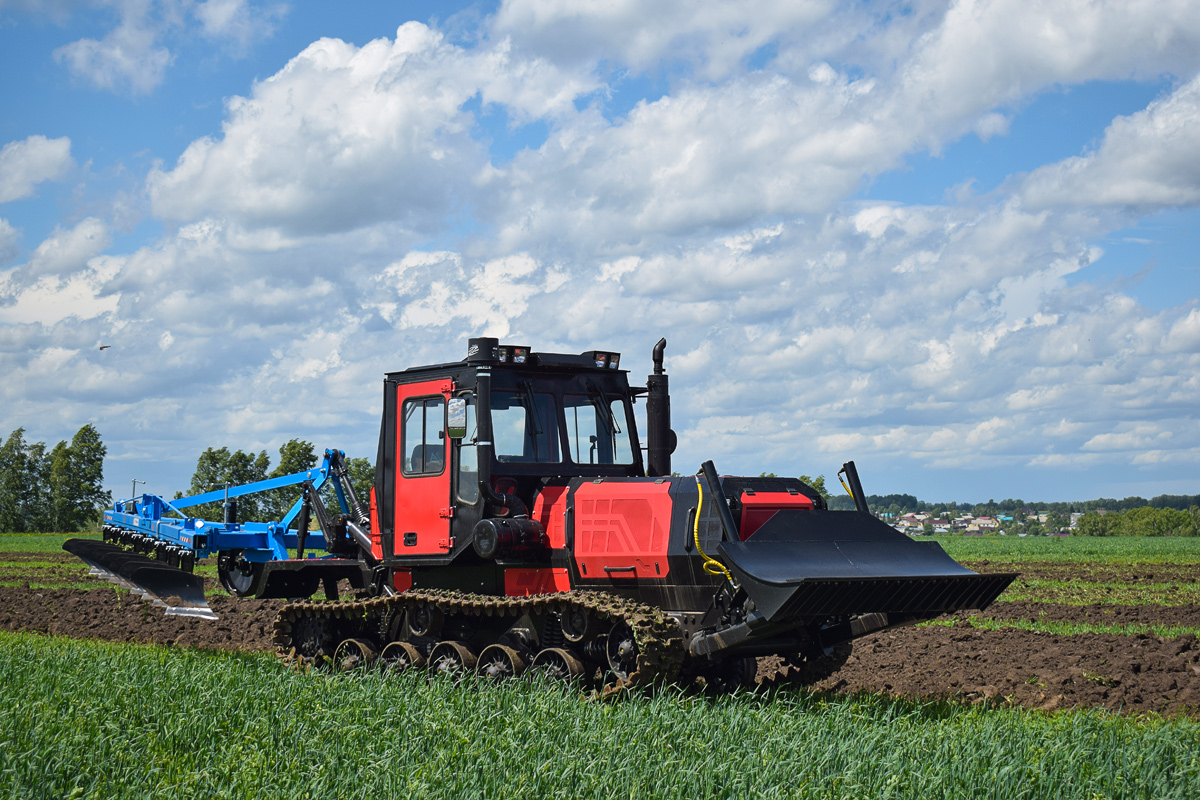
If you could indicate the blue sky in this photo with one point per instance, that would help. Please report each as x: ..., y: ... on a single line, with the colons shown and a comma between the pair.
x: 954, y: 241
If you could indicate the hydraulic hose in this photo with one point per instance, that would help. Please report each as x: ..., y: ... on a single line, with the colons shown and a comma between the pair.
x: 711, y: 565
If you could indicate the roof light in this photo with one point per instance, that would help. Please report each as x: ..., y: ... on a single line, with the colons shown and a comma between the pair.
x: 601, y: 359
x: 614, y: 360
x: 519, y: 354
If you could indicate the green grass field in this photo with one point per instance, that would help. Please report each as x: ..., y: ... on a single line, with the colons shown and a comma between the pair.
x: 96, y: 720
x: 38, y: 542
x: 1080, y: 549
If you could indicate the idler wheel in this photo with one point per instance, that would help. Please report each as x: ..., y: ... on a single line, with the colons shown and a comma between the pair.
x: 621, y: 651
x: 578, y: 625
x: 425, y: 620
x: 500, y: 661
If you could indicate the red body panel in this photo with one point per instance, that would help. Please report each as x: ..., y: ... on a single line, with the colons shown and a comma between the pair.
x: 521, y: 581
x: 550, y: 509
x: 376, y: 537
x: 621, y: 529
x: 402, y: 580
x: 423, y: 503
x: 759, y: 507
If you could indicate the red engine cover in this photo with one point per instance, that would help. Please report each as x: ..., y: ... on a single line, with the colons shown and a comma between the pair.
x: 621, y: 529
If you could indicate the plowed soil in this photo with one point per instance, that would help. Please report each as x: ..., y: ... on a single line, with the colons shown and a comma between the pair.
x: 1132, y: 674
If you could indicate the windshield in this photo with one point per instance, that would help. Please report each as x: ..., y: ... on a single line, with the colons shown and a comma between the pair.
x: 525, y: 426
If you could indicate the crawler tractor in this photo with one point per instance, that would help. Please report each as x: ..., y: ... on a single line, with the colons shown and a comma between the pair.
x: 514, y: 523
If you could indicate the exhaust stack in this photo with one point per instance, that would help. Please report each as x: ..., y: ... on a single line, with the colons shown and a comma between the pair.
x: 661, y: 439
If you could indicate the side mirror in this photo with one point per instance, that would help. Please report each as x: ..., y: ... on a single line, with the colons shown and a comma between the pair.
x: 456, y: 417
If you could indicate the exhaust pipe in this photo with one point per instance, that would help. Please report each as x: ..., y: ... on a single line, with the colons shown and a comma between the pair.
x: 660, y: 439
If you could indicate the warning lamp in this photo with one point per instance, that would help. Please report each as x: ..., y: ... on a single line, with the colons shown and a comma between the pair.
x: 606, y: 360
x: 511, y: 354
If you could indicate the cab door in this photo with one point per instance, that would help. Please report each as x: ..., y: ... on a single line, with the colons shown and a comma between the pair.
x: 423, y: 500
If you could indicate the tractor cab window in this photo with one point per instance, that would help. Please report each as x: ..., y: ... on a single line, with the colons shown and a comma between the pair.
x: 525, y: 426
x: 421, y: 440
x: 597, y: 430
x: 468, y: 459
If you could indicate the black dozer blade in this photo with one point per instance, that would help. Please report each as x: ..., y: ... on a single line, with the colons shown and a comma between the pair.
x: 806, y: 565
x: 179, y: 593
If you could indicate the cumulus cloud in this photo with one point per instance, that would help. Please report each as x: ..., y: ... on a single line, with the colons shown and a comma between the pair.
x: 348, y: 219
x: 130, y: 57
x: 136, y: 53
x: 986, y: 53
x: 69, y: 250
x: 237, y: 21
x: 8, y: 241
x: 715, y: 36
x: 341, y: 137
x: 25, y: 164
x: 1151, y: 158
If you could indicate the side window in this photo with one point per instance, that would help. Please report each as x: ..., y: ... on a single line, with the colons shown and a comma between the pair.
x: 422, y: 443
x: 596, y: 430
x: 468, y: 459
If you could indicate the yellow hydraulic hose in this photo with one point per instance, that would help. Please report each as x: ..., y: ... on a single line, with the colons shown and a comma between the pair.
x: 711, y: 565
x: 847, y: 488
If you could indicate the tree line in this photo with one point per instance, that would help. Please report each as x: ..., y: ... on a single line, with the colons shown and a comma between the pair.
x: 217, y: 466
x: 1143, y: 521
x: 60, y: 489
x: 905, y: 503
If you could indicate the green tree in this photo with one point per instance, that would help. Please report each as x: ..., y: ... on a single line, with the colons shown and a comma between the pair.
x: 1094, y: 523
x: 362, y: 477
x: 59, y: 476
x: 295, y: 455
x: 36, y: 500
x: 14, y: 476
x: 218, y: 466
x: 84, y: 492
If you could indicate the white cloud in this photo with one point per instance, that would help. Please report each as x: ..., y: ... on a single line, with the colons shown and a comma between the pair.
x: 986, y: 53
x: 8, y: 241
x: 237, y: 21
x: 714, y: 36
x: 1151, y: 158
x: 135, y: 54
x: 348, y: 219
x: 128, y: 58
x: 341, y: 138
x: 69, y: 250
x: 25, y: 164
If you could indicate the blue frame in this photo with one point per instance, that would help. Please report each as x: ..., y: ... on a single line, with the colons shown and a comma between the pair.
x: 260, y: 541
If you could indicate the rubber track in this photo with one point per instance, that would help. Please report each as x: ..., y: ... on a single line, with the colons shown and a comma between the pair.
x: 658, y: 638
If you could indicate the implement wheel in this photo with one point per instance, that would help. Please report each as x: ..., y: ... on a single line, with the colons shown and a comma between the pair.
x: 238, y: 576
